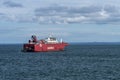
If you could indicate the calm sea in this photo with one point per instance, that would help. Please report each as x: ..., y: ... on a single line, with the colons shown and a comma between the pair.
x: 77, y: 62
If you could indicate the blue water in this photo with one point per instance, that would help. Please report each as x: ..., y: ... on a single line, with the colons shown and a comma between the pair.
x: 77, y: 62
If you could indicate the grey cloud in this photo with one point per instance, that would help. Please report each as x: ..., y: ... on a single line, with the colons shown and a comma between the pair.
x: 51, y: 10
x: 85, y: 10
x: 68, y: 15
x: 12, y: 4
x: 111, y: 9
x: 57, y: 10
x: 87, y: 14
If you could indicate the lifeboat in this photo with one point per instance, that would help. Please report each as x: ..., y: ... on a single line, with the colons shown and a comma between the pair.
x: 44, y: 45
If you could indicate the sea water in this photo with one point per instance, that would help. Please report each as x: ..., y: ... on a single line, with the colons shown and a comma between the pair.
x: 77, y: 62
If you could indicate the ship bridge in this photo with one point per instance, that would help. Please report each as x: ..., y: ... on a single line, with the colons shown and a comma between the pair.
x: 51, y: 40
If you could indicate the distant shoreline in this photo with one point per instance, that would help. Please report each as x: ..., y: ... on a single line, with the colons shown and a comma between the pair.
x: 95, y: 43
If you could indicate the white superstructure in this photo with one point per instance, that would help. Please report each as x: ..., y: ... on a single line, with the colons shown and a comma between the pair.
x: 51, y: 39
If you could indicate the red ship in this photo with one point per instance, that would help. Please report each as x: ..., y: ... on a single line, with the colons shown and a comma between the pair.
x: 44, y: 45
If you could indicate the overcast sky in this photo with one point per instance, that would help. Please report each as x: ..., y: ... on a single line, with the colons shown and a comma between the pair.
x: 74, y: 21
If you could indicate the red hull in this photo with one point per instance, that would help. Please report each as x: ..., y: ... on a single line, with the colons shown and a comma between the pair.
x: 44, y: 47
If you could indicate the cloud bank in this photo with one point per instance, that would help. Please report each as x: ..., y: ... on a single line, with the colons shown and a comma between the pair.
x: 87, y: 14
x: 57, y: 14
